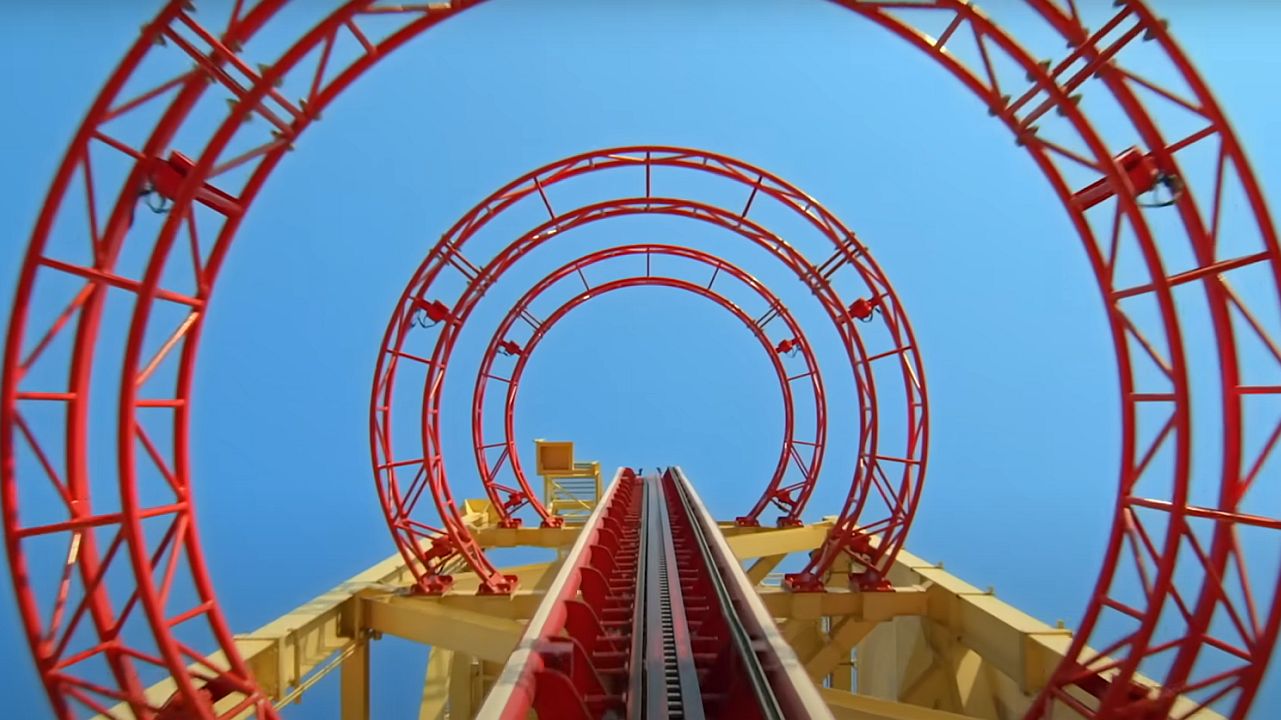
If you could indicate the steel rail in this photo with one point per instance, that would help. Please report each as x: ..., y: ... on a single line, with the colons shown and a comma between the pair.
x: 208, y: 57
x: 568, y: 663
x: 651, y: 562
x: 672, y: 688
x: 741, y: 641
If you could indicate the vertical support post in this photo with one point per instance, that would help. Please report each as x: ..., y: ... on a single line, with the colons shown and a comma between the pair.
x: 436, y: 684
x: 355, y: 683
x: 843, y: 673
x: 354, y: 671
x: 486, y: 675
x: 462, y: 701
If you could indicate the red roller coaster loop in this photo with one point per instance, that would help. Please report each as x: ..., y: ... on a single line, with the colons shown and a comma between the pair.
x: 429, y: 549
x: 142, y: 544
x: 789, y: 498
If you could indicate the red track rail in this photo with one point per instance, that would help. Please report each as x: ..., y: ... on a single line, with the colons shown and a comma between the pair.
x: 651, y: 616
x: 576, y: 657
x: 134, y: 581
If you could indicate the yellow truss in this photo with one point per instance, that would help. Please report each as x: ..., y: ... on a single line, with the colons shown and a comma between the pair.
x: 935, y: 648
x: 571, y: 489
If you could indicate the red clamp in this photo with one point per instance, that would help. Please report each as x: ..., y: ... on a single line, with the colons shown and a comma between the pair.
x: 803, y: 582
x: 435, y: 310
x: 176, y: 707
x: 165, y: 177
x: 1141, y: 170
x: 863, y: 308
x: 504, y: 586
x: 870, y: 581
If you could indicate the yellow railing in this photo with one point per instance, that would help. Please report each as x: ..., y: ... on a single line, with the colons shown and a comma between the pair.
x: 570, y: 489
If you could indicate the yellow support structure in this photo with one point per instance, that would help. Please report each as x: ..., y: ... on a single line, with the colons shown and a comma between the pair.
x: 571, y: 489
x: 354, y: 675
x: 935, y: 648
x: 463, y: 702
x: 851, y: 706
x: 435, y: 702
x: 749, y: 543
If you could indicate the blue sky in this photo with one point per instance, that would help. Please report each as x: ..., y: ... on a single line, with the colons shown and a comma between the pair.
x: 1018, y: 357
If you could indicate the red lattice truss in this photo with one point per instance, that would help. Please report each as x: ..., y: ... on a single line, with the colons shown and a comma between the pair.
x: 1179, y: 598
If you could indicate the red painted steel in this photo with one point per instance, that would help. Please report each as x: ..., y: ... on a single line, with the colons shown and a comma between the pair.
x: 726, y: 682
x: 93, y: 649
x: 642, y: 621
x: 576, y: 658
x: 510, y: 499
x: 880, y: 503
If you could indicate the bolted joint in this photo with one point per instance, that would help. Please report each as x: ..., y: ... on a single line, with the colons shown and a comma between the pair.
x: 862, y: 309
x: 500, y: 585
x: 870, y: 580
x: 803, y: 582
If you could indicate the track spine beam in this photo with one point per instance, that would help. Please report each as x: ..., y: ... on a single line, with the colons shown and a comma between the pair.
x: 672, y: 679
x: 575, y: 658
x: 652, y: 617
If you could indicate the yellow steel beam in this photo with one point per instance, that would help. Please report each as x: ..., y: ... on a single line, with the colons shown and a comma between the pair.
x: 852, y: 616
x: 917, y: 661
x: 532, y: 577
x: 987, y: 656
x: 303, y: 643
x: 284, y: 651
x: 354, y: 684
x: 852, y: 706
x: 845, y: 634
x: 429, y: 622
x: 842, y: 677
x: 1020, y: 646
x: 804, y: 636
x: 952, y: 639
x: 553, y: 456
x: 762, y: 567
x: 764, y: 542
x: 520, y: 605
x: 462, y: 695
x: 527, y: 537
x: 479, y: 513
x: 353, y: 678
x: 487, y: 674
x: 873, y: 606
x: 281, y: 652
x: 436, y: 685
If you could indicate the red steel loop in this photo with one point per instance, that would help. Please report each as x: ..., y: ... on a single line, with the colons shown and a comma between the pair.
x: 806, y: 456
x: 133, y: 580
x: 429, y: 550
